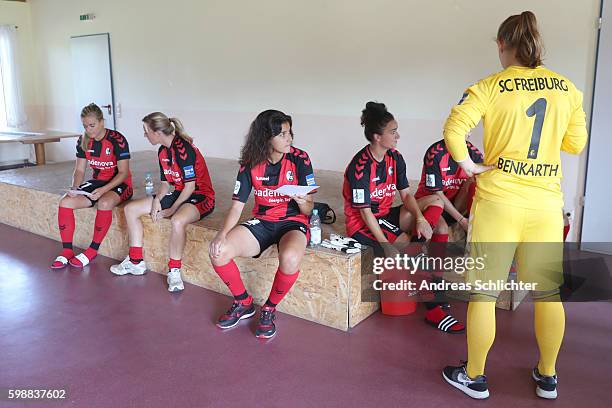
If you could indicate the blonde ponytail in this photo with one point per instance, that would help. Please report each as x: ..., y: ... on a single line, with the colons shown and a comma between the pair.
x: 157, y: 121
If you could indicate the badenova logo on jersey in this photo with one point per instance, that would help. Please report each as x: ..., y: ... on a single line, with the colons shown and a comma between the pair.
x: 97, y: 163
x: 174, y: 174
x: 388, y: 191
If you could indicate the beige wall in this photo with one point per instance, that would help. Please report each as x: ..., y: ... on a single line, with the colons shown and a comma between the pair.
x: 216, y: 63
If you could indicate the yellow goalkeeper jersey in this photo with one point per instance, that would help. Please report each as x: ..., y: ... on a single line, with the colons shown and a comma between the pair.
x: 529, y: 115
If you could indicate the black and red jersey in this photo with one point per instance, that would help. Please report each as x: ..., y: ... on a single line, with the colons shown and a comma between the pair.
x: 294, y: 168
x: 441, y: 172
x: 182, y: 162
x: 369, y: 183
x: 103, y: 155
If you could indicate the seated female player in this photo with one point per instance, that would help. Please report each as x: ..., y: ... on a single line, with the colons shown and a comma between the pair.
x: 107, y: 153
x: 182, y: 166
x: 267, y: 161
x: 371, y: 180
x: 445, y: 189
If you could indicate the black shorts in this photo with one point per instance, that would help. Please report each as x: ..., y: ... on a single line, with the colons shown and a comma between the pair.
x: 203, y: 204
x: 122, y: 190
x: 268, y: 233
x: 389, y: 224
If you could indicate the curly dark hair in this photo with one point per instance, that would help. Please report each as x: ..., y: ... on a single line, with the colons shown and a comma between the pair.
x: 265, y: 126
x: 374, y: 118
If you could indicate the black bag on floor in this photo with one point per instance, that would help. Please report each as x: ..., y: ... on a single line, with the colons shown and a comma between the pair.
x: 323, y: 209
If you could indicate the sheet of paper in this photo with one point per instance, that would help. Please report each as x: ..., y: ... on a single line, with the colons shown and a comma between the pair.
x: 291, y: 190
x: 79, y: 192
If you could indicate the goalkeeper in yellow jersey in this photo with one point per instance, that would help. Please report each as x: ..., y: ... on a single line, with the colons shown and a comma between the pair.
x: 529, y: 115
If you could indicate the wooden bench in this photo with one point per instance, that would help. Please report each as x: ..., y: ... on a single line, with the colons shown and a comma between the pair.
x: 328, y: 290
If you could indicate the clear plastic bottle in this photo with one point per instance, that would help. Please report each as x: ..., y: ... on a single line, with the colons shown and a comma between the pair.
x: 315, y: 228
x: 149, y: 186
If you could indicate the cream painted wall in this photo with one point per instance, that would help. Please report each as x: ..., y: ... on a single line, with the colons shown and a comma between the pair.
x: 18, y: 14
x: 215, y: 64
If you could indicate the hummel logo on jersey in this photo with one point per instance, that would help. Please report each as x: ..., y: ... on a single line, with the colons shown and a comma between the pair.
x: 375, y: 179
x: 108, y: 151
x: 237, y: 187
x: 358, y: 196
x: 390, y: 170
x: 446, y: 169
x: 258, y: 178
x: 289, y: 175
x: 165, y: 160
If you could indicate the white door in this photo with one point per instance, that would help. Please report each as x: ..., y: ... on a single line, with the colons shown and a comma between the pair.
x: 92, y: 75
x: 597, y: 218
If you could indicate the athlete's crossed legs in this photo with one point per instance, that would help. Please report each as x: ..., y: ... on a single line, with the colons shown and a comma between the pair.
x: 104, y: 218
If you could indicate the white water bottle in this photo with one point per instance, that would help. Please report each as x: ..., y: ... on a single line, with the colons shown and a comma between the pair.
x: 315, y: 228
x: 149, y: 186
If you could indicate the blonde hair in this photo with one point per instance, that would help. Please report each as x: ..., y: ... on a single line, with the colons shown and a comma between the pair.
x: 90, y: 110
x: 157, y: 121
x: 520, y: 32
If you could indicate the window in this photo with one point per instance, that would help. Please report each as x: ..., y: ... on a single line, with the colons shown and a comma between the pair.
x: 12, y: 109
x: 2, y: 105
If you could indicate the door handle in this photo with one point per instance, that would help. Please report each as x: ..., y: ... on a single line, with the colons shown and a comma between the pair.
x: 109, y: 107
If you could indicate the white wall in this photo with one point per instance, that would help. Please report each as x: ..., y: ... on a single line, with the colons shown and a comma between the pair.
x: 216, y: 63
x: 18, y: 14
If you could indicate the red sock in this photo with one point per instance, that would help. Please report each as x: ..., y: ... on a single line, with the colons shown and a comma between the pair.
x: 230, y: 275
x: 437, y: 249
x: 281, y: 286
x: 174, y: 263
x: 432, y: 214
x: 65, y: 220
x: 103, y: 221
x: 470, y: 197
x: 566, y: 229
x: 439, y: 237
x: 136, y: 255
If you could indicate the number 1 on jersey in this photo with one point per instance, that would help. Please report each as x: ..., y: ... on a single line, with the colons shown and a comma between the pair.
x: 539, y: 110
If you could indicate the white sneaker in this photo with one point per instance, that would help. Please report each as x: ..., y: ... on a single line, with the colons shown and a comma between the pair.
x: 175, y: 283
x: 127, y: 267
